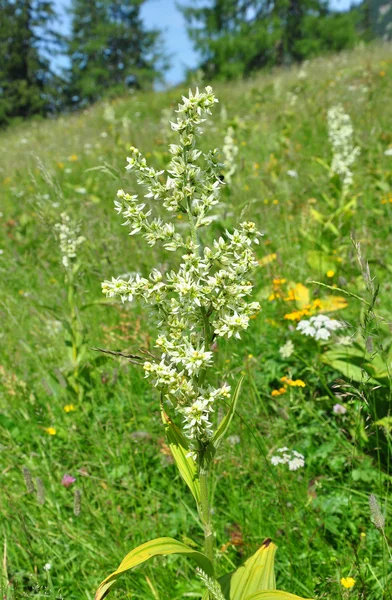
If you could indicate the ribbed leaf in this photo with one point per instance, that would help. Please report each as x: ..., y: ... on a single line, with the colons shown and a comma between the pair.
x: 255, y: 575
x: 158, y: 547
x: 225, y: 423
x: 273, y: 595
x: 179, y: 448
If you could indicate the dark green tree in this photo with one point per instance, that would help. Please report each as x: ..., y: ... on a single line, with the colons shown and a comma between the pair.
x: 110, y: 50
x: 237, y: 37
x: 27, y: 85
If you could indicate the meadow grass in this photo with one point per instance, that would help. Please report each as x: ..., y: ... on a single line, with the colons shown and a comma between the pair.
x: 110, y: 437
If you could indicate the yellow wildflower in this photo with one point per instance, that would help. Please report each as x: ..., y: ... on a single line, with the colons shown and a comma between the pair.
x: 347, y: 582
x: 382, y: 73
x: 266, y: 260
x: 69, y: 408
x: 275, y: 201
x: 60, y: 165
x: 73, y: 157
x: 297, y: 315
x: 317, y: 303
x: 278, y: 281
x: 278, y: 392
x: 330, y: 273
x: 50, y: 430
x: 7, y: 180
x: 292, y: 382
x: 290, y: 296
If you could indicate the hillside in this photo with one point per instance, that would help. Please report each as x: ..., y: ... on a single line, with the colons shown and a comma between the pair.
x: 66, y: 409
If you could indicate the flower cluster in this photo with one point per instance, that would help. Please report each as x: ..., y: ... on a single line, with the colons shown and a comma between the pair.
x: 207, y: 296
x: 69, y: 239
x: 287, y: 350
x: 319, y: 327
x: 340, y: 132
x: 294, y: 459
x: 230, y: 151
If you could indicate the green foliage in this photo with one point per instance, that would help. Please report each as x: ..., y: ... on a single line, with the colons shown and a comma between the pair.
x: 237, y: 37
x: 160, y: 547
x: 27, y: 85
x: 110, y: 50
x: 112, y: 442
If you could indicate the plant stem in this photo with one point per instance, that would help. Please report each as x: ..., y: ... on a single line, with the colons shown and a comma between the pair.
x: 205, y: 513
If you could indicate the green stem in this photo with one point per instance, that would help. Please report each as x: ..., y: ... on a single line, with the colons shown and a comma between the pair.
x: 205, y: 513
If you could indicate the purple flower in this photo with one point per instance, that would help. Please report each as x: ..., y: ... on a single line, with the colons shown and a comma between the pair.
x: 67, y: 480
x: 338, y: 409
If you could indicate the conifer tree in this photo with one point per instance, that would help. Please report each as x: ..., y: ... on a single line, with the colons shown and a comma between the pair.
x: 236, y: 37
x: 26, y: 80
x: 110, y: 49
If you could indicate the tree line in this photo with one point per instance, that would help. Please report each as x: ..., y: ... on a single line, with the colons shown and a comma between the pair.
x: 109, y: 48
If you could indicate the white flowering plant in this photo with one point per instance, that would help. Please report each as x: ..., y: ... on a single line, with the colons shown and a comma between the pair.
x: 208, y: 297
x: 70, y: 240
x: 341, y: 133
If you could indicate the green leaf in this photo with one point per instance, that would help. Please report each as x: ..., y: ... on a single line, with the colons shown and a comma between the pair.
x: 345, y: 362
x: 179, y: 448
x: 273, y: 595
x: 225, y: 423
x: 158, y: 547
x: 255, y: 575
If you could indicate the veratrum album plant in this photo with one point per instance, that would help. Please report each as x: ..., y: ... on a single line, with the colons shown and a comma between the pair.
x: 208, y: 297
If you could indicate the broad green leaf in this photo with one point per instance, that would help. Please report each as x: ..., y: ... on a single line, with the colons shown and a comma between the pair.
x: 158, y: 547
x: 354, y: 372
x: 256, y: 574
x: 179, y: 448
x: 273, y: 595
x: 225, y: 423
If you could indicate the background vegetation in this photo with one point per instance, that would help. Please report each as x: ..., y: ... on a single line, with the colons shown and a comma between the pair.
x: 110, y: 50
x: 69, y: 410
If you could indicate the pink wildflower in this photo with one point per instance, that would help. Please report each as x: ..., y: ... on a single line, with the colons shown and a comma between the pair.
x: 67, y: 480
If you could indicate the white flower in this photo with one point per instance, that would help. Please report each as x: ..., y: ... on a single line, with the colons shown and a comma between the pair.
x: 340, y: 132
x: 296, y: 463
x: 230, y: 151
x: 292, y: 173
x: 69, y: 238
x: 47, y: 567
x: 306, y: 328
x: 295, y: 460
x: 319, y: 327
x: 287, y: 350
x: 339, y: 409
x: 233, y: 440
x: 208, y: 292
x: 388, y: 152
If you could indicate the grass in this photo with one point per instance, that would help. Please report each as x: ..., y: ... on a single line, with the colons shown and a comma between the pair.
x: 112, y: 440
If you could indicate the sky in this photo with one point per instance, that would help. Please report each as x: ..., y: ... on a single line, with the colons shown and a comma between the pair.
x: 164, y: 15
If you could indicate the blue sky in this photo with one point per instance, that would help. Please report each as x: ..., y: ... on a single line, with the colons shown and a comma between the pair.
x: 164, y: 15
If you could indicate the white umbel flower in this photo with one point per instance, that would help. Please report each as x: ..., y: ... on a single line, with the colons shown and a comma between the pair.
x: 319, y: 327
x: 295, y: 460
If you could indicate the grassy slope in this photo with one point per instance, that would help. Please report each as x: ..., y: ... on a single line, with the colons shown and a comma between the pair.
x: 113, y: 441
